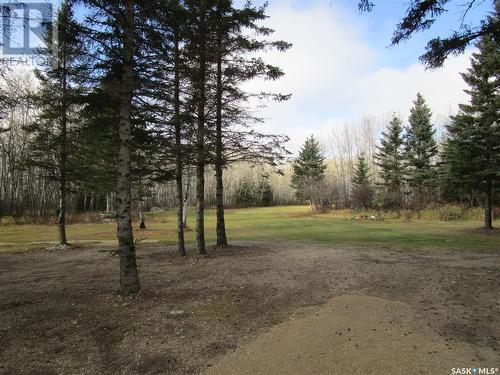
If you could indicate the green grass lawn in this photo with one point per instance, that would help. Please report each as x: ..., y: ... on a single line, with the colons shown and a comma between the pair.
x: 290, y: 223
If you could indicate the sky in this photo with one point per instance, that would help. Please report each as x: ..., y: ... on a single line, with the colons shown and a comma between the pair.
x: 341, y: 68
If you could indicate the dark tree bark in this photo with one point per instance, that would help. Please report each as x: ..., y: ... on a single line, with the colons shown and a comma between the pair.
x: 178, y: 155
x: 200, y: 136
x: 219, y: 162
x: 108, y: 202
x: 488, y: 221
x: 186, y: 202
x: 63, y: 160
x: 129, y: 277
x: 142, y: 223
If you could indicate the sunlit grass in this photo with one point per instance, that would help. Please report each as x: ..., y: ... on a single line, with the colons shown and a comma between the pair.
x: 289, y: 223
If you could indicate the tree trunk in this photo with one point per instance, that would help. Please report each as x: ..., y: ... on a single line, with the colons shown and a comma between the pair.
x: 108, y: 202
x: 142, y: 224
x: 62, y: 213
x: 219, y: 194
x: 185, y: 203
x: 488, y: 221
x: 200, y: 138
x: 63, y: 159
x: 129, y: 278
x: 178, y: 156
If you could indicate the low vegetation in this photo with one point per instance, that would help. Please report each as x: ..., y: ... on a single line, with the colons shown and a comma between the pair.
x: 437, y: 228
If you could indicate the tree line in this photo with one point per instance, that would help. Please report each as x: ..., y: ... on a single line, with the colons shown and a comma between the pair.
x: 410, y: 168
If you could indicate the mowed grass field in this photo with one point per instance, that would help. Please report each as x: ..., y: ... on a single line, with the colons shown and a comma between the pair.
x: 274, y: 224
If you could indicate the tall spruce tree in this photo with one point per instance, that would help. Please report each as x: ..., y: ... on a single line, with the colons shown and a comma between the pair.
x: 57, y: 99
x: 236, y: 63
x: 129, y: 277
x: 308, y: 171
x: 472, y: 149
x: 169, y: 88
x: 115, y: 40
x: 177, y: 15
x: 199, y: 50
x: 224, y: 25
x: 420, y: 150
x: 390, y: 158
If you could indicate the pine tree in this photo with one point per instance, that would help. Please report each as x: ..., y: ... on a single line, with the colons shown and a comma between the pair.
x: 176, y: 18
x: 208, y: 116
x: 199, y: 51
x: 235, y: 63
x: 362, y: 191
x: 308, y: 171
x: 115, y: 41
x: 245, y: 195
x: 57, y: 99
x: 422, y: 14
x: 361, y: 172
x: 390, y: 159
x: 472, y: 150
x: 266, y: 195
x: 169, y: 86
x: 420, y: 150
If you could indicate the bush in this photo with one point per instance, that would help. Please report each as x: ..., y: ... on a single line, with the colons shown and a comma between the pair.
x: 245, y: 195
x: 362, y: 196
x: 450, y: 213
x: 7, y: 220
x: 266, y: 194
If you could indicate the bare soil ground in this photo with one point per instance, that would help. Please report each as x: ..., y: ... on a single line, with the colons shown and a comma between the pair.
x: 61, y: 313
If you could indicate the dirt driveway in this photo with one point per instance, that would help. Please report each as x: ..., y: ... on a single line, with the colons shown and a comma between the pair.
x: 60, y: 312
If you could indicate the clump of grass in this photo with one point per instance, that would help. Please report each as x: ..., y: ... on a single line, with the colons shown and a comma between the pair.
x: 7, y: 220
x: 290, y: 223
x: 451, y: 212
x: 216, y: 310
x: 447, y: 212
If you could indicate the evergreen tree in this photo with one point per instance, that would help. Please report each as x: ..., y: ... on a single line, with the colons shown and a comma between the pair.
x: 420, y: 150
x: 170, y: 87
x: 422, y: 14
x: 245, y: 195
x: 472, y: 150
x: 266, y: 193
x: 390, y: 159
x: 361, y: 172
x: 57, y: 98
x: 116, y: 43
x: 362, y: 192
x: 199, y: 51
x: 201, y: 54
x: 308, y: 171
x: 235, y: 63
x: 176, y: 17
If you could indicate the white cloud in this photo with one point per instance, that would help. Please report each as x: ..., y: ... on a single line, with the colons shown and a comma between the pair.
x: 334, y: 75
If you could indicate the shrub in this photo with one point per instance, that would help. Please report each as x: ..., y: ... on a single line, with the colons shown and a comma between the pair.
x: 245, y: 195
x: 266, y: 197
x: 362, y: 196
x: 7, y: 220
x: 450, y: 213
